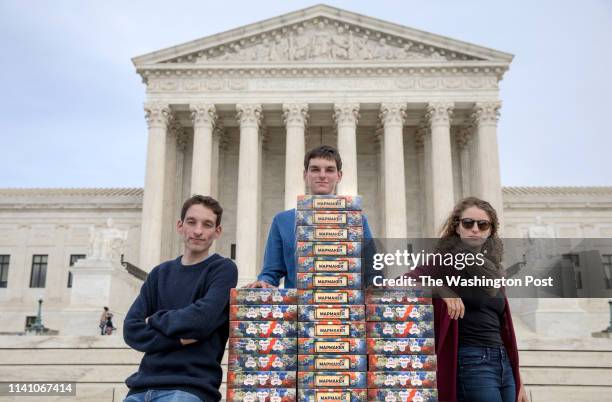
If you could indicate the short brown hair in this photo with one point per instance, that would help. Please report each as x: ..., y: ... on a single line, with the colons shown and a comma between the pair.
x: 325, y: 152
x: 206, y: 201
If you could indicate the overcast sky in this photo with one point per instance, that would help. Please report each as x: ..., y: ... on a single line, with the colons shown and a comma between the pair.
x: 71, y: 102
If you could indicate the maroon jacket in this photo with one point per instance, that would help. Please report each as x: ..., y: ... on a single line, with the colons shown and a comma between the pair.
x: 447, y: 341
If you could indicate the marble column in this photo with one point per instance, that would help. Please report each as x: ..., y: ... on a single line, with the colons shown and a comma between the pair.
x: 439, y: 115
x: 346, y: 116
x: 487, y: 171
x: 423, y: 147
x: 158, y: 117
x: 179, y: 195
x: 261, y: 151
x: 247, y: 230
x: 379, y: 140
x: 204, y: 117
x: 171, y: 206
x: 295, y: 116
x: 218, y: 133
x: 463, y: 141
x: 392, y: 117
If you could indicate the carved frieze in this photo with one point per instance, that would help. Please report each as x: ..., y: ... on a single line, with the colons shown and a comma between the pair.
x: 320, y: 40
x: 296, y: 83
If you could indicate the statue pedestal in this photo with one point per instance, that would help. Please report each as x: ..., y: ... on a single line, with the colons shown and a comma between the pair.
x: 556, y: 318
x: 547, y: 312
x: 95, y: 284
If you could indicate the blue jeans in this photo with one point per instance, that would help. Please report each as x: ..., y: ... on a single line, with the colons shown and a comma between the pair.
x: 162, y: 395
x: 484, y: 374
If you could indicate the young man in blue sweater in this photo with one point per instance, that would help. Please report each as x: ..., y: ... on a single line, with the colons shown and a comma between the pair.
x: 322, y: 172
x: 180, y: 318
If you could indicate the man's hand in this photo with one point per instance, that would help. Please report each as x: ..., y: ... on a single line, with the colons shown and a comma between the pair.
x: 184, y: 342
x: 455, y: 307
x: 259, y: 284
x: 522, y: 396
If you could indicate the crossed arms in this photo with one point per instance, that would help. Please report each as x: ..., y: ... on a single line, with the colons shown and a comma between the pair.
x: 150, y: 331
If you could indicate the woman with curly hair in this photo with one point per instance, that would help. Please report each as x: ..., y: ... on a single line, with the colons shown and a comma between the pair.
x: 475, y: 341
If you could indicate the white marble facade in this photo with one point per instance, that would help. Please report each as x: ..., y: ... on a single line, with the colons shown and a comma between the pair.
x: 413, y: 114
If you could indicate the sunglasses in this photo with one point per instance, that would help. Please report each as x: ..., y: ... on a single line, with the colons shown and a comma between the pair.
x: 468, y: 224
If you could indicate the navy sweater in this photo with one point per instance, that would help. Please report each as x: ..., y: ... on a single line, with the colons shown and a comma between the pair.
x: 182, y: 301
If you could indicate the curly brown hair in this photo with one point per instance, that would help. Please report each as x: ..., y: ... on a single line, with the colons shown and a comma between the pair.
x: 493, y: 246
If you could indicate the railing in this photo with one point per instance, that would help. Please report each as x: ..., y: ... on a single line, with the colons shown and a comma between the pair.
x: 134, y: 270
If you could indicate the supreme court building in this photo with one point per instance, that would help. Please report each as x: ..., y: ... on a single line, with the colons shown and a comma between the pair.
x: 414, y: 116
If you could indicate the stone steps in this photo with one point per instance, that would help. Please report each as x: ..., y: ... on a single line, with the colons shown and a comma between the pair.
x: 91, y: 373
x: 76, y: 356
x: 565, y: 393
x: 567, y: 376
x: 562, y: 358
x: 552, y: 371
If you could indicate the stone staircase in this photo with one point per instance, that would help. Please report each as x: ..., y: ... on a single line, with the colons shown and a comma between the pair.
x: 553, y: 370
x: 98, y: 365
x: 560, y: 370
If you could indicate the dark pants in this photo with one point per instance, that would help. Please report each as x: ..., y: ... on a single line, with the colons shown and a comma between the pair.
x: 484, y: 375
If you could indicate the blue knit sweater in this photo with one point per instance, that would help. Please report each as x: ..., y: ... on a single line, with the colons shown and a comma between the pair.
x: 182, y: 301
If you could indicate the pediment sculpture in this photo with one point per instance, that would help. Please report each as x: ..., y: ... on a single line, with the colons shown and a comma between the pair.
x: 320, y: 41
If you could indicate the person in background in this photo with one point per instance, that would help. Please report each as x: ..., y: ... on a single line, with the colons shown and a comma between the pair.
x: 106, y: 322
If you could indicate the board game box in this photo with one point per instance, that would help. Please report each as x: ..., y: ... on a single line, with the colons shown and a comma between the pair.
x: 327, y: 296
x: 263, y: 329
x: 399, y: 312
x: 263, y: 296
x: 336, y: 312
x: 329, y: 264
x: 310, y: 346
x: 400, y: 346
x: 329, y: 202
x: 265, y: 346
x: 332, y: 363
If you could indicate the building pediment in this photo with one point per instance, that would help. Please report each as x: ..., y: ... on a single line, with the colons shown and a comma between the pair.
x: 321, y: 35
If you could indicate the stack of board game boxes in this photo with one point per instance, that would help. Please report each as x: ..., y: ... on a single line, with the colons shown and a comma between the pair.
x: 262, y: 361
x: 330, y: 340
x: 332, y: 359
x: 400, y: 339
